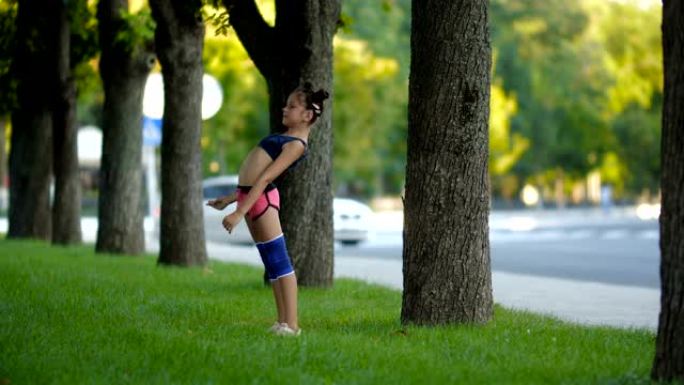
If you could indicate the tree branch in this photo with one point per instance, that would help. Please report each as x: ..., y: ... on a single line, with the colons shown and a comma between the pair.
x: 255, y: 34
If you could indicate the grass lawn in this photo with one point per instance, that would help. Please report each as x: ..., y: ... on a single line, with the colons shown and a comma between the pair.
x: 70, y: 316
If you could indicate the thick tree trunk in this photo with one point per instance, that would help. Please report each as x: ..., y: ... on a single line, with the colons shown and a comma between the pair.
x: 669, y: 359
x: 31, y: 144
x: 66, y: 209
x: 447, y: 275
x: 306, y: 213
x: 124, y: 71
x: 179, y: 42
x: 296, y: 50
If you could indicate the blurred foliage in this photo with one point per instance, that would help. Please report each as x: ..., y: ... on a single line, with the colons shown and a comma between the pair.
x: 8, y: 14
x: 139, y: 29
x: 84, y: 52
x: 84, y: 39
x: 243, y: 117
x: 505, y: 148
x: 369, y: 111
x: 83, y: 46
x: 367, y: 119
x: 576, y: 89
x: 385, y: 26
x: 586, y: 77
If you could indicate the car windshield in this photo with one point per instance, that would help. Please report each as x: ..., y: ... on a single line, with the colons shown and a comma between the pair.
x: 211, y: 192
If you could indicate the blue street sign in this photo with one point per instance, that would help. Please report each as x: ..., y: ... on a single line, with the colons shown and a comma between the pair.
x: 152, y: 131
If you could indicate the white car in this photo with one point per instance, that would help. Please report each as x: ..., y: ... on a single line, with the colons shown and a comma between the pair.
x: 351, y: 218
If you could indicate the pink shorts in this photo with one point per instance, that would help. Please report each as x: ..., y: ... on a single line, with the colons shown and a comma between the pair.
x: 269, y: 198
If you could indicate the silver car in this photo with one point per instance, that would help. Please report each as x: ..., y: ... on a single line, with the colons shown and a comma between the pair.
x: 351, y: 218
x: 213, y: 229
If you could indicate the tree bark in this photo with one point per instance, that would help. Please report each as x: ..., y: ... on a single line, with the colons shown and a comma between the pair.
x: 31, y: 143
x: 179, y: 41
x: 296, y: 50
x: 124, y: 70
x: 66, y: 209
x: 447, y: 274
x: 669, y: 358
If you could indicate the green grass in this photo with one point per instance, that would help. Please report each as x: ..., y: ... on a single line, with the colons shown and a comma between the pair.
x: 70, y: 316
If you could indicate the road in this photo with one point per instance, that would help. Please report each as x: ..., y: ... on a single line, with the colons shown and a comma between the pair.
x: 578, y: 265
x: 618, y: 249
x: 580, y: 245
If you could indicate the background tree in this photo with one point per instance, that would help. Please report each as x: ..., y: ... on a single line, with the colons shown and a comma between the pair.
x: 126, y: 60
x: 8, y: 14
x: 368, y: 121
x: 242, y: 120
x: 540, y: 61
x: 631, y: 43
x: 179, y: 40
x: 75, y: 44
x: 505, y: 148
x: 365, y: 119
x: 605, y: 89
x: 585, y: 79
x: 447, y: 274
x: 296, y: 49
x: 66, y: 208
x: 600, y: 88
x: 31, y: 145
x: 669, y: 359
x: 384, y: 27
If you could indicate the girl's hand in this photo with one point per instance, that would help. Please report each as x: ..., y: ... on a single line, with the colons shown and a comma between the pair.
x: 231, y: 220
x: 219, y: 203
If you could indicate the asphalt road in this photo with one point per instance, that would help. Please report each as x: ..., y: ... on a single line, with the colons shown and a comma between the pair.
x: 623, y: 251
x: 583, y: 246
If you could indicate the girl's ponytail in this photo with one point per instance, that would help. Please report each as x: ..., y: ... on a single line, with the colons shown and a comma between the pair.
x: 313, y: 100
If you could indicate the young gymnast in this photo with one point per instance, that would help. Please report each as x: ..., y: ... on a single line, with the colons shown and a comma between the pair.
x: 258, y: 200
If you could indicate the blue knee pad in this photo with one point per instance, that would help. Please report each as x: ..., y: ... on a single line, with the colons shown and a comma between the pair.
x: 275, y: 258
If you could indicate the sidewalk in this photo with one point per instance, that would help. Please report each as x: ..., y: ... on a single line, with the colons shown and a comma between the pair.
x: 582, y: 302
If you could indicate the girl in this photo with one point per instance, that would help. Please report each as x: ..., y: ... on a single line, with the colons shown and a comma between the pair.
x: 258, y: 200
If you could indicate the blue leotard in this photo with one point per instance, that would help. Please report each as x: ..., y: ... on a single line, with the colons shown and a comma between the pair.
x: 273, y: 145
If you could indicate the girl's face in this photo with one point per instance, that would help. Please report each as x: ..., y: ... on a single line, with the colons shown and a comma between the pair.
x: 294, y: 112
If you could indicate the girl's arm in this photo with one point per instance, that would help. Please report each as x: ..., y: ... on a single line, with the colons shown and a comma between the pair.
x: 221, y: 202
x: 291, y: 152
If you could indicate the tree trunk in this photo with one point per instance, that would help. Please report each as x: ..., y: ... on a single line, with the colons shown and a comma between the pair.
x: 66, y: 209
x: 447, y: 275
x: 296, y: 50
x: 124, y: 71
x: 669, y: 359
x: 31, y: 144
x: 179, y: 42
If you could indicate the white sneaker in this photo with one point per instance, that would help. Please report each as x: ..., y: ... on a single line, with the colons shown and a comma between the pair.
x: 276, y: 325
x: 285, y: 330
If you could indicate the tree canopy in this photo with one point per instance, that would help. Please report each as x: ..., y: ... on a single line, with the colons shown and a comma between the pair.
x: 576, y: 89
